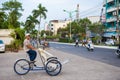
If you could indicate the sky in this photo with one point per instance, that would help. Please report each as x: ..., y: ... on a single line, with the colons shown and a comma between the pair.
x: 55, y: 8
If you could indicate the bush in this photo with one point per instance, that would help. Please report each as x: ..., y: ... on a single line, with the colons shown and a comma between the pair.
x: 63, y: 40
x: 71, y: 41
x: 15, y: 45
x: 66, y: 40
x: 18, y: 35
x: 50, y: 37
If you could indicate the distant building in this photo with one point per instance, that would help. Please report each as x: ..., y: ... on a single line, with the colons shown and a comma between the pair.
x: 54, y: 25
x: 5, y: 35
x: 94, y: 19
x: 111, y: 9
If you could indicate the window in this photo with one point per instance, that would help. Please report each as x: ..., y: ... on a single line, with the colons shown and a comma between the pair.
x: 51, y: 24
x: 51, y: 28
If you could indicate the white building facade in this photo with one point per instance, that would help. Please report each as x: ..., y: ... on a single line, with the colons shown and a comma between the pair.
x: 5, y: 36
x: 54, y: 25
x: 94, y: 19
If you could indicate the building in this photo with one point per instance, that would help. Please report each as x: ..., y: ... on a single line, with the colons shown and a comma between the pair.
x: 112, y: 14
x: 5, y: 36
x: 54, y: 25
x: 94, y: 19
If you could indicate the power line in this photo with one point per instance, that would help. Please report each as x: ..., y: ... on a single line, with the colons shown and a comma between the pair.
x: 98, y: 5
x: 92, y: 10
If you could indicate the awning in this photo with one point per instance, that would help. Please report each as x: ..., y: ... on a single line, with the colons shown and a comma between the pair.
x: 109, y: 34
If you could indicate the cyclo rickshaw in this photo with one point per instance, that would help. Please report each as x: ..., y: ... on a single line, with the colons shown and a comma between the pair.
x: 51, y: 64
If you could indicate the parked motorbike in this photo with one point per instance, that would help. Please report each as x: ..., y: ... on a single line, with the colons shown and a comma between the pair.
x: 117, y: 52
x: 90, y: 47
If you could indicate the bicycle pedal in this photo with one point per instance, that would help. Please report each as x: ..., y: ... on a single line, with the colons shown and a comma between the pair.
x: 35, y: 65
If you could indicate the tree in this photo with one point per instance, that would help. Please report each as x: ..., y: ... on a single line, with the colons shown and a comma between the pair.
x: 84, y: 23
x: 39, y: 13
x: 18, y: 35
x: 48, y: 33
x: 30, y: 24
x: 12, y: 9
x: 97, y: 28
x: 3, y: 22
x: 34, y: 33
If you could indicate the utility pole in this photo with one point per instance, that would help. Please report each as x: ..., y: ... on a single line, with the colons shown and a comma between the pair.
x: 70, y: 15
x: 101, y: 15
x: 77, y: 14
x: 117, y: 21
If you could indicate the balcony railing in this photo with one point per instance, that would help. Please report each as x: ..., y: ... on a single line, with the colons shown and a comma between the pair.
x: 111, y: 9
x: 111, y: 29
x: 109, y: 1
x: 111, y: 19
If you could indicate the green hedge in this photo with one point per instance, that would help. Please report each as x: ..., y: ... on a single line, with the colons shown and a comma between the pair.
x: 63, y: 40
x: 50, y: 37
x: 66, y: 40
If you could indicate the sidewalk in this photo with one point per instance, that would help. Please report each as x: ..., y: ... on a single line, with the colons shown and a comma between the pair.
x: 78, y: 68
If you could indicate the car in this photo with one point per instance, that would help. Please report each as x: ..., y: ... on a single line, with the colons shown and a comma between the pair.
x: 110, y: 42
x: 2, y: 46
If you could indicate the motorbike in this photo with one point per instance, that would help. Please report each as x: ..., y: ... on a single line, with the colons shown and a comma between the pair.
x: 117, y: 52
x: 90, y: 47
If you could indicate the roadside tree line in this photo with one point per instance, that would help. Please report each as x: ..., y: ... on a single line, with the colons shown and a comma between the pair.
x: 10, y: 14
x: 80, y: 28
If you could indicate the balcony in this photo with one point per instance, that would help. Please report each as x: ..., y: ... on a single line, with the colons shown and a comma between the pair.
x: 111, y: 19
x: 104, y: 3
x: 111, y: 29
x: 111, y: 9
x: 109, y: 1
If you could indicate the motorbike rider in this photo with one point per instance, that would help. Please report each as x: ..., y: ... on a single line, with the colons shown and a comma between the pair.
x: 89, y: 42
x: 117, y: 52
x: 118, y: 48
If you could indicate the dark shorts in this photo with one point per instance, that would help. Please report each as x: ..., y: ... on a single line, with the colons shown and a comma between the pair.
x: 32, y: 54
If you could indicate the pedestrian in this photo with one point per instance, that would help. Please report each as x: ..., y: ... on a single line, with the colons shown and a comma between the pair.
x: 39, y: 41
x: 29, y: 48
x: 84, y: 42
x: 76, y: 42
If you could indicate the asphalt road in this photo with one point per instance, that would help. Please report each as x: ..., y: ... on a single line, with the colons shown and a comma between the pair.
x: 104, y: 55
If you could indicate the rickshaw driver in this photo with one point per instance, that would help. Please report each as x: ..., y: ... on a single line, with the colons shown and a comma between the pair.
x: 29, y: 48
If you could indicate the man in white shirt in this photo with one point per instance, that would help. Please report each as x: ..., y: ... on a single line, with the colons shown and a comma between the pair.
x: 29, y: 48
x: 89, y: 42
x: 76, y: 43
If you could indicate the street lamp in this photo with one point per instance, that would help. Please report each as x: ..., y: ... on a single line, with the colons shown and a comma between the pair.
x: 70, y: 15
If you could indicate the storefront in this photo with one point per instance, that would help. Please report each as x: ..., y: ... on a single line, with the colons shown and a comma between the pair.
x: 109, y: 35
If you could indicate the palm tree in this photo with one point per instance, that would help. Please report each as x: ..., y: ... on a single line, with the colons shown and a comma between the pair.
x: 33, y: 19
x: 30, y: 23
x: 41, y: 12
